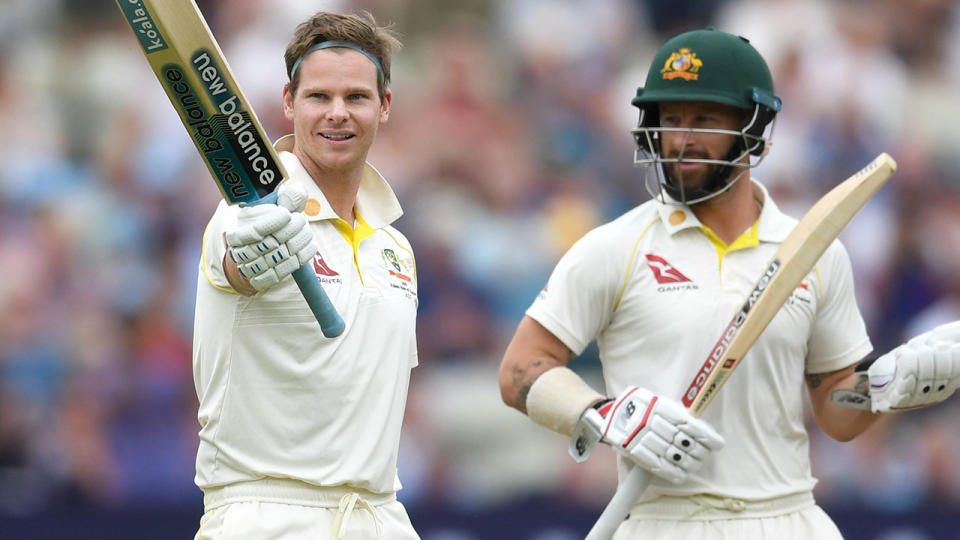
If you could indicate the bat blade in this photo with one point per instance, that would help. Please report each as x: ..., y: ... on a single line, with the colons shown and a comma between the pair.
x: 796, y: 256
x: 190, y: 66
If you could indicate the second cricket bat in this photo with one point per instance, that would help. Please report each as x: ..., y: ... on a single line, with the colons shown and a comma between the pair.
x: 795, y: 257
x: 191, y: 68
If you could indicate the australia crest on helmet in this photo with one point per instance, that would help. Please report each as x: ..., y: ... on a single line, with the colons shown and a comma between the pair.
x: 682, y: 64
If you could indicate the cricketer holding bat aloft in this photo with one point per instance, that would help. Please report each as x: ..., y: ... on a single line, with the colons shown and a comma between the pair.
x: 300, y: 433
x: 656, y: 287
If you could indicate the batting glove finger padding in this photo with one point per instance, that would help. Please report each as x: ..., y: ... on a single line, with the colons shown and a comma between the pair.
x: 296, y: 224
x: 652, y: 431
x: 254, y: 223
x: 270, y: 268
x: 293, y: 197
x: 251, y: 252
x: 302, y: 245
x: 922, y: 371
x: 271, y: 241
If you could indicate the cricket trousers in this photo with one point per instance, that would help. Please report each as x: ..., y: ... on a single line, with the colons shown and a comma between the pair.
x: 275, y: 509
x: 792, y: 517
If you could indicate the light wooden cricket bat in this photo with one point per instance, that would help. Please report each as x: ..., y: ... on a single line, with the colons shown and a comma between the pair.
x: 192, y: 70
x: 797, y: 255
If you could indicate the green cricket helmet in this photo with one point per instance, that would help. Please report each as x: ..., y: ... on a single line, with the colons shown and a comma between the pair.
x: 710, y: 66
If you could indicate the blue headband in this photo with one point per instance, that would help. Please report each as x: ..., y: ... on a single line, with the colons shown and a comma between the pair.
x: 341, y: 44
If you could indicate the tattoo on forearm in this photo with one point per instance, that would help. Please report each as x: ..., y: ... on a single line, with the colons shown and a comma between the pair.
x: 524, y: 375
x: 862, y: 386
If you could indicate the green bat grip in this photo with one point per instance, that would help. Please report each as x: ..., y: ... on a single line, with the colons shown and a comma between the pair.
x: 331, y: 323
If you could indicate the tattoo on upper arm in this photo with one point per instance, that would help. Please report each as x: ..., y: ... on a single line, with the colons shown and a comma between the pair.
x: 815, y: 379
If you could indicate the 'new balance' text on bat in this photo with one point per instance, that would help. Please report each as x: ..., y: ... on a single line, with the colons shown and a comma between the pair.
x: 192, y: 70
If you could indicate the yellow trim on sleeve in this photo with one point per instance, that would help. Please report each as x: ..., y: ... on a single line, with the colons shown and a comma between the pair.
x: 354, y: 236
x: 203, y: 264
x: 633, y: 255
x: 748, y: 239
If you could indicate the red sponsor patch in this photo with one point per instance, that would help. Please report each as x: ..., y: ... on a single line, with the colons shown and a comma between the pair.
x: 399, y: 275
x: 320, y: 266
x: 663, y: 271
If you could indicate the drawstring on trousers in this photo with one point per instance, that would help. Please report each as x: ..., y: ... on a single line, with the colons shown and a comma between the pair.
x: 706, y: 502
x: 347, y: 503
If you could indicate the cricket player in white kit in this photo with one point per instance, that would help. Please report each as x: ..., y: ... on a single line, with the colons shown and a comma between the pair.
x: 655, y: 288
x: 300, y: 433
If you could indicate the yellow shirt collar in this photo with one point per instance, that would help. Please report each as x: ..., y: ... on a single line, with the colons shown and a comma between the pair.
x: 773, y: 225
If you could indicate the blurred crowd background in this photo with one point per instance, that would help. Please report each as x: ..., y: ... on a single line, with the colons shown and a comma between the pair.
x: 508, y: 139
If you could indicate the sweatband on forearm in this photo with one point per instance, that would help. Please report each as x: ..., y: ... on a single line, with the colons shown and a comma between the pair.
x: 558, y: 398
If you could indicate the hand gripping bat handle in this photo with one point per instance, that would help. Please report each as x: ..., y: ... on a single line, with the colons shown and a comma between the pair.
x: 619, y: 506
x: 331, y: 323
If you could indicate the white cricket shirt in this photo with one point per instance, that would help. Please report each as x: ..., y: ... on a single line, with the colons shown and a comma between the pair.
x: 656, y: 292
x: 279, y: 399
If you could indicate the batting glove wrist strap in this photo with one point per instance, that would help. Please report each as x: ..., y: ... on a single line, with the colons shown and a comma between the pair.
x: 589, y: 431
x: 922, y: 371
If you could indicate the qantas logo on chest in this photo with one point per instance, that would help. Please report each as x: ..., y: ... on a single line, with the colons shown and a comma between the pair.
x: 664, y: 271
x: 324, y: 273
x: 669, y: 278
x: 320, y: 266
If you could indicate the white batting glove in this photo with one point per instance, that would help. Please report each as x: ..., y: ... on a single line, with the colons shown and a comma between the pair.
x: 654, y: 432
x: 271, y: 241
x: 920, y: 372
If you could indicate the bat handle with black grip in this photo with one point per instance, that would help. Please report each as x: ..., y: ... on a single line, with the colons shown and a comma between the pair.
x: 331, y: 323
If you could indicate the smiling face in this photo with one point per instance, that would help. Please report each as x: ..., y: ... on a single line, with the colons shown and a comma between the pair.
x: 684, y: 142
x: 336, y: 111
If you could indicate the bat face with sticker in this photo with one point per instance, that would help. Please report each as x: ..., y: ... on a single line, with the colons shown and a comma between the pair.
x: 191, y: 68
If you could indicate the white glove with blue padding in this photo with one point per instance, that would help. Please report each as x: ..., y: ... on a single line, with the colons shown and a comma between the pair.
x: 652, y: 431
x: 271, y: 241
x: 922, y: 371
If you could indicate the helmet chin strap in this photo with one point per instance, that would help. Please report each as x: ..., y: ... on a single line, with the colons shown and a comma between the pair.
x: 718, y: 181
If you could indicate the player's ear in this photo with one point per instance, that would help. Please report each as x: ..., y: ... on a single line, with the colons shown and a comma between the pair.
x: 385, y: 106
x: 287, y: 102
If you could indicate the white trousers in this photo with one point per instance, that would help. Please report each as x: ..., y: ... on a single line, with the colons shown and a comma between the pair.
x: 276, y: 509
x: 794, y: 517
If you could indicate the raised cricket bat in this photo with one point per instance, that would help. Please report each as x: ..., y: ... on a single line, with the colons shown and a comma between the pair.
x: 797, y: 255
x: 192, y: 70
